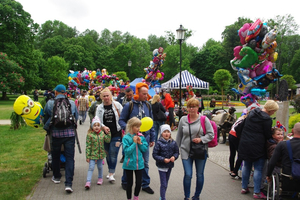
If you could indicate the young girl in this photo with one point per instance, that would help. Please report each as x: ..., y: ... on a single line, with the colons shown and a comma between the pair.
x: 134, y: 144
x: 95, y: 150
x: 165, y: 152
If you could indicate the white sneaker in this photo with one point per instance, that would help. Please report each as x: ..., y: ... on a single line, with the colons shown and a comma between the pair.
x: 68, y: 189
x: 111, y: 178
x: 108, y: 175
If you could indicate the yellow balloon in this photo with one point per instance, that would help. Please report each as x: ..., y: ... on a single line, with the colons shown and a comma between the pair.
x: 147, y: 124
x: 158, y: 75
x: 275, y: 56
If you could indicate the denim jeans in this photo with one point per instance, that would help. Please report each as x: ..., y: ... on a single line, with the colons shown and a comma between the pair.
x: 145, y: 175
x: 188, y: 173
x: 91, y: 169
x: 69, y: 151
x: 82, y: 115
x: 156, y: 126
x: 112, y: 155
x: 257, y: 176
x: 164, y: 180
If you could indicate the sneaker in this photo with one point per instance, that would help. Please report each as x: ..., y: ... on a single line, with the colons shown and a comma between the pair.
x: 135, y: 198
x: 87, y: 185
x: 103, y: 163
x: 236, y: 177
x: 108, y: 175
x: 259, y: 196
x: 148, y: 190
x: 124, y: 186
x: 122, y: 159
x: 100, y: 181
x: 174, y: 128
x: 68, y: 189
x: 111, y: 178
x: 55, y: 180
x: 195, y: 198
x: 245, y: 191
x: 80, y: 122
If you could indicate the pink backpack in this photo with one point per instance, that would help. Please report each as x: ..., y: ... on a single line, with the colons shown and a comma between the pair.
x: 214, y: 142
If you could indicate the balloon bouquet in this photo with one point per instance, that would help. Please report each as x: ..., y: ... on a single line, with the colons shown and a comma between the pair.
x: 254, y: 60
x: 154, y: 75
x: 94, y: 79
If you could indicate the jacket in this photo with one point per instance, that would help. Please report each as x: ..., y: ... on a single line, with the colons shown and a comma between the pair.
x: 126, y: 115
x: 133, y: 152
x: 155, y: 110
x: 165, y: 149
x: 95, y: 145
x: 168, y: 101
x: 92, y: 110
x: 257, y: 130
x: 183, y: 135
x: 49, y: 109
x: 100, y: 112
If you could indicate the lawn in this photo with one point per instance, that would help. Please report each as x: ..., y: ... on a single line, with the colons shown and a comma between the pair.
x: 22, y: 161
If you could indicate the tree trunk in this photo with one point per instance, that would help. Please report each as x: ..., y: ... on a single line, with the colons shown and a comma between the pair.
x: 222, y: 97
x: 4, y: 96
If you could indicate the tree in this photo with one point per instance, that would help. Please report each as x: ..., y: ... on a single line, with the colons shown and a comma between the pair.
x: 222, y: 78
x: 291, y: 83
x: 156, y: 42
x: 56, y: 71
x: 121, y: 75
x: 10, y: 76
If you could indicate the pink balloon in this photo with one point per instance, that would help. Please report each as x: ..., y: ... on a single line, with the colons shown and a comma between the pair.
x: 243, y: 32
x: 236, y: 52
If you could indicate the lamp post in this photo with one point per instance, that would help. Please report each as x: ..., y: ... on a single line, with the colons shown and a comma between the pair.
x: 180, y: 37
x: 129, y: 66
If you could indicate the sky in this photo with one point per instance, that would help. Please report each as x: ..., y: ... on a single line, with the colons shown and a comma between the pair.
x: 141, y: 18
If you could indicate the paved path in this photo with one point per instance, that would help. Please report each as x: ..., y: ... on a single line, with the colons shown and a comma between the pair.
x: 218, y: 184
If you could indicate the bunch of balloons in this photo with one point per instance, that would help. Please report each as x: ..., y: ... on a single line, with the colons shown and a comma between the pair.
x: 92, y: 79
x: 254, y: 59
x: 154, y: 75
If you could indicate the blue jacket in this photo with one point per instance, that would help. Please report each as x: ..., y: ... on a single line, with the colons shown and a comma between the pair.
x: 134, y: 152
x: 49, y: 108
x: 125, y: 116
x: 165, y: 149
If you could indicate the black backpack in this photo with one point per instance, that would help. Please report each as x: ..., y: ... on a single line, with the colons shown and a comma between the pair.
x: 62, y: 116
x: 294, y: 162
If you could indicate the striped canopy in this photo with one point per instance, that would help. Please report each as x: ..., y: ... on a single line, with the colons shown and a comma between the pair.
x: 187, y: 79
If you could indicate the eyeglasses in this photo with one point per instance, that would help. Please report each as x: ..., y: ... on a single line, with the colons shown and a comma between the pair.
x: 193, y: 107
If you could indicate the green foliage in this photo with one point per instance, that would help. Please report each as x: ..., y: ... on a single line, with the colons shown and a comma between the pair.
x: 16, y: 121
x: 222, y: 78
x: 56, y: 71
x: 296, y: 103
x: 290, y: 80
x: 293, y: 120
x: 121, y: 75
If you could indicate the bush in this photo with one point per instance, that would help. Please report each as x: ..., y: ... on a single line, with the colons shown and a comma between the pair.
x: 293, y: 120
x: 296, y: 103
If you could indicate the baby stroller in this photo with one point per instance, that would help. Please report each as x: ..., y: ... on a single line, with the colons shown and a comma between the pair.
x: 48, y: 164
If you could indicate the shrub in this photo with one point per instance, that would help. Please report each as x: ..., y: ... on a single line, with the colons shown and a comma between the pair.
x: 293, y: 120
x: 296, y: 103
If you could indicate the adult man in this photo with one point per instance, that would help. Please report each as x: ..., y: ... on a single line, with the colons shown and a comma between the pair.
x: 61, y: 136
x: 141, y: 108
x: 83, y: 106
x: 127, y: 98
x: 281, y: 155
x: 121, y: 95
x: 35, y: 95
x: 256, y: 131
x: 93, y: 108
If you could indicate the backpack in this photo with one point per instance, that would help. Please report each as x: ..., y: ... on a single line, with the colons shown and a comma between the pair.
x: 295, y: 163
x: 214, y: 142
x: 131, y: 108
x: 62, y: 116
x: 239, y: 126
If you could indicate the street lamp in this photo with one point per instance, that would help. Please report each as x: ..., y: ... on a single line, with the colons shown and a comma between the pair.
x: 180, y: 37
x: 129, y: 66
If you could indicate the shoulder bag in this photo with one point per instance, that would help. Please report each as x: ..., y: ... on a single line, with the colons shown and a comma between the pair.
x: 197, y: 150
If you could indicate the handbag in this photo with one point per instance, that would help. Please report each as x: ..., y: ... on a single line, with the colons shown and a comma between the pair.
x: 197, y: 150
x: 161, y: 116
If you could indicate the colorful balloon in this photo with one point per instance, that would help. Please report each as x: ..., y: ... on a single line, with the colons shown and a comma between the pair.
x: 147, y: 124
x: 254, y: 30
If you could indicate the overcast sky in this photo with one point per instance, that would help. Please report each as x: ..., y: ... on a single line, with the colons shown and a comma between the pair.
x: 207, y: 19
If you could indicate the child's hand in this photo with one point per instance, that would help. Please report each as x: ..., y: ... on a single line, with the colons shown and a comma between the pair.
x: 172, y: 159
x: 139, y: 141
x: 166, y: 160
x: 88, y: 160
x: 135, y: 138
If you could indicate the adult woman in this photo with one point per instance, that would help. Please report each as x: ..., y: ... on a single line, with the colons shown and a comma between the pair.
x: 157, y: 110
x: 109, y: 112
x: 170, y: 107
x: 190, y: 127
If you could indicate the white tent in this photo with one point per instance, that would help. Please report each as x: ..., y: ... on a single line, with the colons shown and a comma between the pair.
x: 187, y: 79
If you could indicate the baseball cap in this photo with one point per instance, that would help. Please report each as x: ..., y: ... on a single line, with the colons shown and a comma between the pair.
x: 60, y: 88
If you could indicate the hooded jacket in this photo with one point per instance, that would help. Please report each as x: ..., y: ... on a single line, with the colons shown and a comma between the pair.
x: 257, y: 130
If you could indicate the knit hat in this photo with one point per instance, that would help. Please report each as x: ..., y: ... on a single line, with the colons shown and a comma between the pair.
x: 165, y: 127
x: 137, y: 87
x: 95, y: 120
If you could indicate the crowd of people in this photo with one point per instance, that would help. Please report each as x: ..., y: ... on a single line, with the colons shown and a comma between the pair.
x: 116, y: 123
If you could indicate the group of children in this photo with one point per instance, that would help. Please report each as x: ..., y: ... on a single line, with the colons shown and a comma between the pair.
x: 165, y: 152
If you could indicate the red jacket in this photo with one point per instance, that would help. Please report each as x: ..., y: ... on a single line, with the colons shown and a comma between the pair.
x: 168, y: 101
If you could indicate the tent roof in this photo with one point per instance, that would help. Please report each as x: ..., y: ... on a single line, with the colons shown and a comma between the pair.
x: 151, y: 91
x: 187, y: 79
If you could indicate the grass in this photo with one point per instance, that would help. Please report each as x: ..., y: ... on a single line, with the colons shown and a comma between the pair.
x: 22, y: 161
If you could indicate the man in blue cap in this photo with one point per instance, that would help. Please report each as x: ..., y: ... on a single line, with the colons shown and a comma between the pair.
x: 61, y: 134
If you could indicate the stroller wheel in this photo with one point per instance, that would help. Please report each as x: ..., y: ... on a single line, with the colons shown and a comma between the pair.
x: 46, y: 164
x: 44, y: 172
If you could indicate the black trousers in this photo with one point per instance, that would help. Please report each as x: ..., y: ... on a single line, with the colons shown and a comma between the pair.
x: 138, y: 182
x: 171, y: 116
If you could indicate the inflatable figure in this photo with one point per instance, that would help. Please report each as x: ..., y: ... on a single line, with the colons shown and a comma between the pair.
x: 248, y: 99
x: 243, y: 32
x: 250, y: 57
x: 260, y: 69
x: 29, y: 110
x: 254, y: 30
x: 269, y: 38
